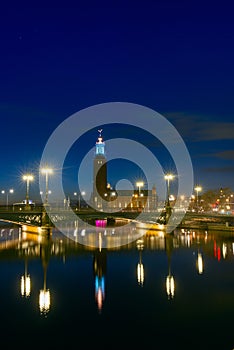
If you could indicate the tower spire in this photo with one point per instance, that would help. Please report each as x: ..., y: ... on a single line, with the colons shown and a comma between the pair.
x: 100, y: 144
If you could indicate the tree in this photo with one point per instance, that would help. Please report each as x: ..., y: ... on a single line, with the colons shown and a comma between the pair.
x: 215, y: 199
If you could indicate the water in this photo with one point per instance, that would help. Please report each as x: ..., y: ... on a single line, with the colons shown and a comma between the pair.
x: 117, y: 296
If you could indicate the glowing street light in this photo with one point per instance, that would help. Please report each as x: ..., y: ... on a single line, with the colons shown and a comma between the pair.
x: 139, y: 184
x: 7, y: 194
x: 46, y: 172
x: 168, y: 178
x: 198, y: 189
x: 83, y: 193
x: 27, y: 178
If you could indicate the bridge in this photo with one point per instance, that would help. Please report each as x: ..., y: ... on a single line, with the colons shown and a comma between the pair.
x: 38, y: 217
x: 32, y: 217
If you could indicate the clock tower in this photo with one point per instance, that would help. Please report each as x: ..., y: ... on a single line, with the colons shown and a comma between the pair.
x: 99, y: 172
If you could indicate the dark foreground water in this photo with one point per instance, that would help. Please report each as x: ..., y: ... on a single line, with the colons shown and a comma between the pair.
x: 173, y: 292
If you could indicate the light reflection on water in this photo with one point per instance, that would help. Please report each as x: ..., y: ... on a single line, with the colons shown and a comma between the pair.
x: 176, y: 290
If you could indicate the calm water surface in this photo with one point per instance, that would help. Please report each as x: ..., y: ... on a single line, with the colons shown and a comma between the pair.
x: 155, y: 292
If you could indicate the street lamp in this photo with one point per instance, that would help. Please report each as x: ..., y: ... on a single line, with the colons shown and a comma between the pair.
x: 75, y: 194
x: 7, y: 193
x: 197, y: 189
x: 27, y: 178
x: 168, y: 209
x: 46, y: 172
x: 168, y: 178
x: 139, y: 185
x: 79, y: 198
x: 82, y: 194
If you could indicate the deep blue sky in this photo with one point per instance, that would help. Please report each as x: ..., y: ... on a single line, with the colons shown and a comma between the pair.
x: 175, y: 57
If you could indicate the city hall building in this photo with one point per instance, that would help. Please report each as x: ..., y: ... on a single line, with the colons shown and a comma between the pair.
x: 104, y: 196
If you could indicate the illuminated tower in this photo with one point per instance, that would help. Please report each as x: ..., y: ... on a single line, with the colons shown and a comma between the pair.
x: 99, y: 172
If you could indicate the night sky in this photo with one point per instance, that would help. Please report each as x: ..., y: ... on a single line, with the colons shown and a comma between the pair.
x: 175, y: 57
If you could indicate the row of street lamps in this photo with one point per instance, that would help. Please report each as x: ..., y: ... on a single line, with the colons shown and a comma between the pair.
x: 28, y: 178
x: 7, y: 195
x: 167, y: 177
x: 48, y: 171
x: 170, y: 177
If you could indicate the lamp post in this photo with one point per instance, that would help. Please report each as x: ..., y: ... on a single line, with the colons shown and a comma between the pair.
x: 79, y: 198
x: 168, y: 178
x: 27, y: 178
x: 46, y: 172
x: 82, y: 194
x: 75, y: 194
x: 197, y: 189
x: 7, y: 194
x: 139, y: 184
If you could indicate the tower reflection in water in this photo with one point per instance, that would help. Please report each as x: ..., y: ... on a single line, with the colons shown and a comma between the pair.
x: 99, y: 270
